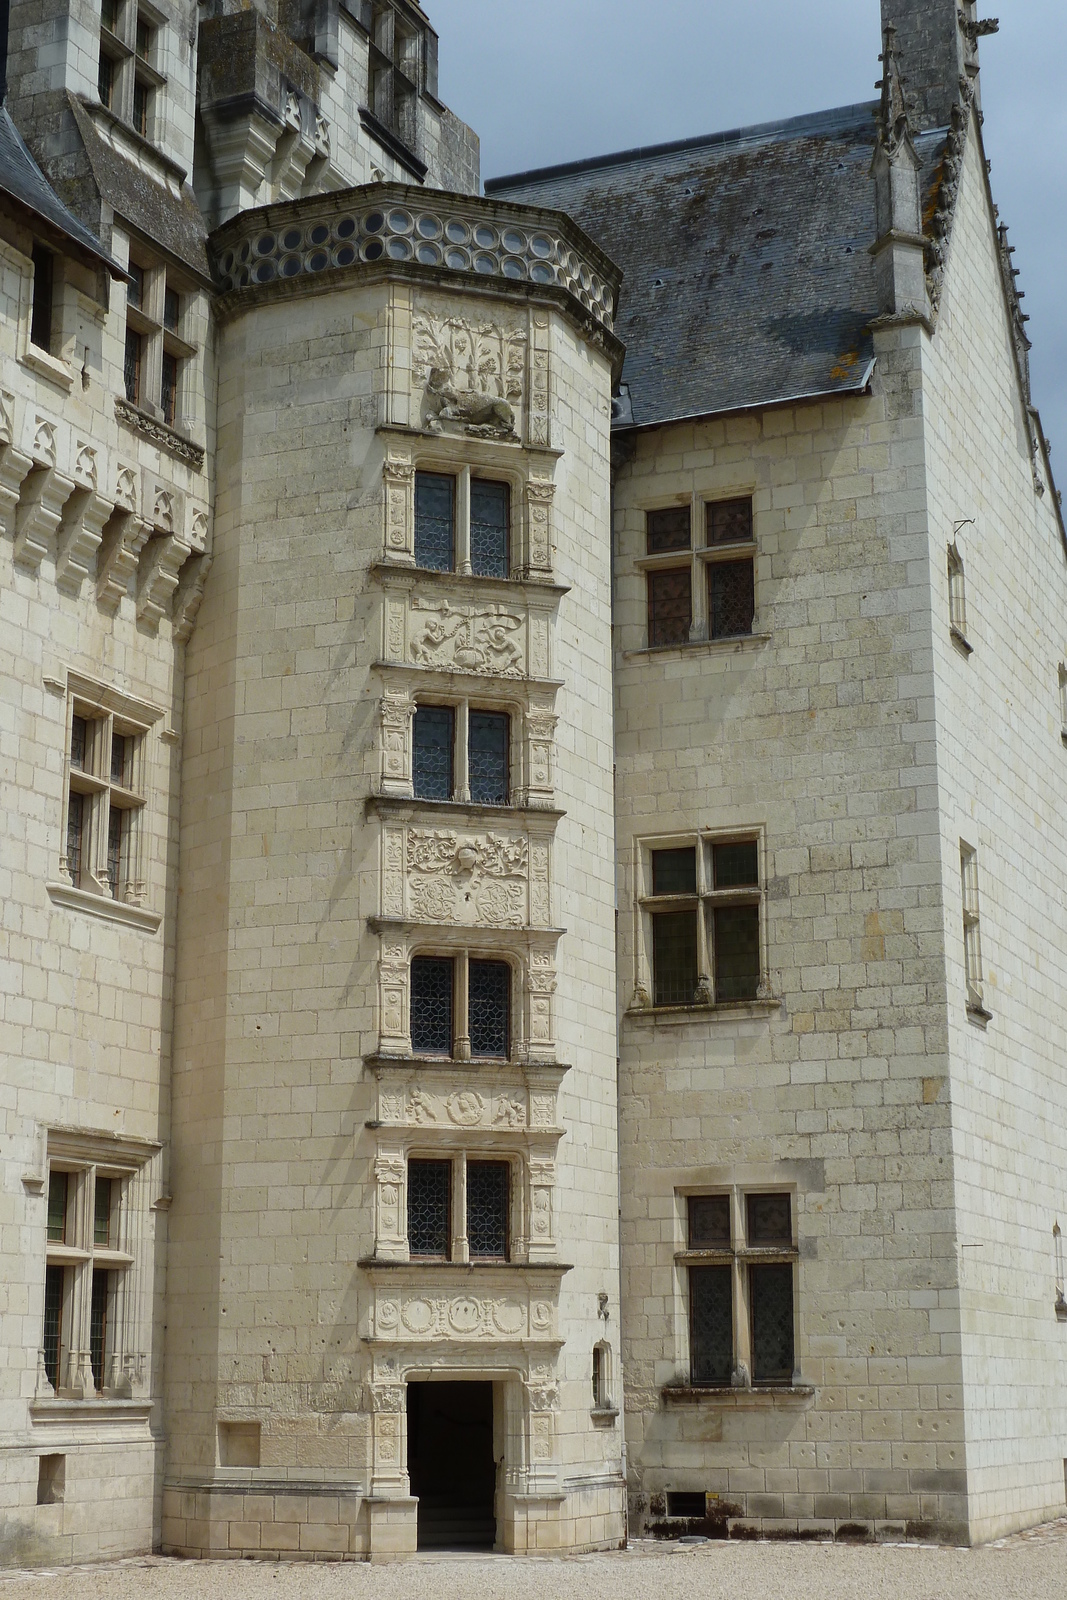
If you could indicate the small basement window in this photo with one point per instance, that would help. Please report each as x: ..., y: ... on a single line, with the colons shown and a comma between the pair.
x: 687, y: 1503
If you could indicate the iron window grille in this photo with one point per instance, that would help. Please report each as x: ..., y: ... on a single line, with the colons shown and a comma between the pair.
x: 461, y: 753
x: 703, y: 919
x: 460, y: 1007
x: 685, y: 603
x: 463, y: 524
x: 103, y: 833
x: 740, y: 1264
x: 84, y: 1339
x: 459, y: 1208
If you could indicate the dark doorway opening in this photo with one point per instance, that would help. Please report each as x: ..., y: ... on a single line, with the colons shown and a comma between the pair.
x: 451, y: 1465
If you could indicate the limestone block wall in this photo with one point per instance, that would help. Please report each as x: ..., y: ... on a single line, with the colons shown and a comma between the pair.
x: 295, y: 1090
x: 816, y: 736
x: 99, y: 526
x: 1002, y: 767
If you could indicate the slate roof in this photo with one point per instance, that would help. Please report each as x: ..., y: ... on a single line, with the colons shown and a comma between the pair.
x: 22, y: 181
x: 747, y: 278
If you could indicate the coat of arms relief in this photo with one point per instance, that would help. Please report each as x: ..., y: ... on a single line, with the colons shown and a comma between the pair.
x: 472, y: 375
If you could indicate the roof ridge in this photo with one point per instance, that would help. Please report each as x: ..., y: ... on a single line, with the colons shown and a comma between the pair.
x: 756, y: 132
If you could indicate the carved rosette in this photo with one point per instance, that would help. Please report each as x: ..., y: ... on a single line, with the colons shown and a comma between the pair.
x: 405, y: 1314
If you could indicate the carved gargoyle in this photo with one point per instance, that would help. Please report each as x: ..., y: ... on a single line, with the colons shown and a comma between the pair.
x: 478, y: 413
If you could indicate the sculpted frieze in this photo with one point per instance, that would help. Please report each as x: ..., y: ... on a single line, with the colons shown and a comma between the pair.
x: 416, y: 1316
x: 470, y: 373
x: 465, y: 879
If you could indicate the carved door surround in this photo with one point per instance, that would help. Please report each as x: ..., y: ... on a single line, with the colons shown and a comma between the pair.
x: 530, y: 952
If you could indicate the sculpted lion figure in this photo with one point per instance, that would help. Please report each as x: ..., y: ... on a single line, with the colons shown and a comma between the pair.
x: 472, y: 410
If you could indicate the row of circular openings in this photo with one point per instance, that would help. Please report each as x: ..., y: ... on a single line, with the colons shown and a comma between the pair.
x: 429, y: 228
x: 291, y: 266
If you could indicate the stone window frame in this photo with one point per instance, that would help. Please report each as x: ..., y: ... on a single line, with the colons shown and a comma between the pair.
x: 44, y: 363
x: 531, y: 1198
x: 531, y: 497
x: 957, y: 599
x: 108, y: 711
x: 461, y: 957
x: 646, y: 904
x: 739, y: 1256
x: 531, y: 753
x: 971, y: 911
x: 162, y: 338
x: 462, y: 707
x: 85, y: 1156
x: 697, y: 559
x: 533, y: 964
x: 134, y: 62
x: 1063, y: 700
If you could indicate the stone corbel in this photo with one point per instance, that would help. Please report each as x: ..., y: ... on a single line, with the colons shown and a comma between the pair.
x: 120, y: 548
x: 397, y: 710
x: 45, y: 491
x: 189, y: 594
x: 398, y: 477
x: 14, y: 467
x: 79, y: 538
x: 242, y: 150
x: 161, y: 562
x: 292, y: 154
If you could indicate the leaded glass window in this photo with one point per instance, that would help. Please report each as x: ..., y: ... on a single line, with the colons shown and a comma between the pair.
x: 490, y: 520
x: 771, y: 1306
x: 670, y: 606
x: 488, y: 741
x: 731, y: 598
x: 79, y: 732
x: 769, y: 1220
x: 669, y: 529
x: 735, y: 866
x: 116, y: 850
x: 435, y: 521
x: 131, y: 367
x: 432, y: 980
x: 729, y: 522
x: 709, y: 1221
x: 98, y: 1308
x: 489, y: 1001
x: 487, y: 1209
x: 736, y: 952
x: 674, y: 957
x: 102, y: 1213
x: 168, y: 393
x: 58, y: 1190
x: 430, y: 1208
x: 53, y: 1322
x: 75, y: 836
x: 710, y: 1325
x: 674, y: 871
x: 433, y: 743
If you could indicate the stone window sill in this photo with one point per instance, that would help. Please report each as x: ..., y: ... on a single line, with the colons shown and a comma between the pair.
x: 725, y: 1011
x: 49, y: 366
x: 99, y: 905
x: 604, y: 1416
x: 517, y: 579
x: 100, y: 1408
x: 961, y: 641
x: 977, y: 1012
x: 735, y: 642
x: 434, y: 1264
x: 759, y: 1397
x: 389, y: 805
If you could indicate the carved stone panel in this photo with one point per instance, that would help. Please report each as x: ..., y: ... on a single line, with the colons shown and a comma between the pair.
x: 465, y: 879
x: 469, y: 374
x: 486, y: 639
x: 412, y: 1315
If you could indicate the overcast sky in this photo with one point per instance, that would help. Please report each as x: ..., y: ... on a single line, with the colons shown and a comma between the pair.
x: 555, y: 80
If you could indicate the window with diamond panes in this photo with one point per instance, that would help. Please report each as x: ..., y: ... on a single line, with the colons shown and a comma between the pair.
x: 674, y: 932
x: 669, y: 529
x: 488, y: 744
x: 433, y: 743
x: 435, y: 521
x: 710, y: 1325
x: 488, y: 1191
x: 52, y: 1340
x: 430, y: 1208
x: 131, y: 367
x: 432, y: 986
x: 102, y: 1213
x: 670, y: 606
x: 729, y: 522
x: 98, y: 1329
x: 769, y: 1220
x: 103, y: 806
x: 731, y: 598
x: 735, y: 926
x: 490, y: 525
x: 771, y: 1312
x: 709, y: 1221
x: 75, y: 836
x: 489, y: 991
x: 58, y: 1192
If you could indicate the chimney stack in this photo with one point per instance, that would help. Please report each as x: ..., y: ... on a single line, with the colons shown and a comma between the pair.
x: 937, y: 45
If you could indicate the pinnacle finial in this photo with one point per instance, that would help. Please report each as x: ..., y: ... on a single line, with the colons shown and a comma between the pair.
x: 894, y: 115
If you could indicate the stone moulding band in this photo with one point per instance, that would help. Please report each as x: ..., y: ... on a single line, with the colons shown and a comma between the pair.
x: 391, y: 224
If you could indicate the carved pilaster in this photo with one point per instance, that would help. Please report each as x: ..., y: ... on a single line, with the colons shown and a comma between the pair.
x: 388, y: 1407
x: 542, y: 1407
x: 390, y: 1233
x: 394, y: 1038
x: 538, y: 429
x: 542, y: 987
x: 542, y: 1242
x: 541, y: 734
x: 398, y: 478
x: 540, y: 494
x: 397, y: 710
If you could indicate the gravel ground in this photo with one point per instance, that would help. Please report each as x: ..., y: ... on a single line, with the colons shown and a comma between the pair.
x: 1031, y: 1566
